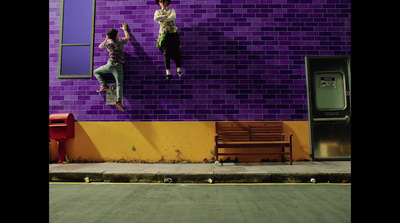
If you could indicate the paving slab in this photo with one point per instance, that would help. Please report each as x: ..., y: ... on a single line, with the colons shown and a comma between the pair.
x: 333, y: 171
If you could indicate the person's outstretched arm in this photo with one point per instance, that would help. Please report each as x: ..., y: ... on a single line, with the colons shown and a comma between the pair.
x: 124, y: 26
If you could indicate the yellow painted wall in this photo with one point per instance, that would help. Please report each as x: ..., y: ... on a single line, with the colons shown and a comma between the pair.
x: 158, y: 141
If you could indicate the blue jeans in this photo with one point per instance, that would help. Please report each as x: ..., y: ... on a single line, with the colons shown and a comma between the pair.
x: 114, y: 69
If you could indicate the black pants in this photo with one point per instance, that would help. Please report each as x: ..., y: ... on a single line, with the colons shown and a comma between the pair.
x: 170, y: 48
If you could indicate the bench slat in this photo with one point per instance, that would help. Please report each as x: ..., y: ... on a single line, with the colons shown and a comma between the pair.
x: 271, y: 153
x: 257, y: 144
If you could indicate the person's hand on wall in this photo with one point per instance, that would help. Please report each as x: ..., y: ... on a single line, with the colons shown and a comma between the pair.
x: 124, y: 26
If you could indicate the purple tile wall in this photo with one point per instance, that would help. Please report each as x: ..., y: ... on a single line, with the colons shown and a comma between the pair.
x: 241, y: 59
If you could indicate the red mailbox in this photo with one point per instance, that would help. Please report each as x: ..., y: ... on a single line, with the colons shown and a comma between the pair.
x: 61, y: 128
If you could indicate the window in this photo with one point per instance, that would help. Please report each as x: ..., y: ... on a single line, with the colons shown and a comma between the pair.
x: 75, y: 58
x: 330, y: 91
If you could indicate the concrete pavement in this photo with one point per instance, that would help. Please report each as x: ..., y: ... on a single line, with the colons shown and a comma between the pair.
x: 299, y: 172
x: 108, y: 202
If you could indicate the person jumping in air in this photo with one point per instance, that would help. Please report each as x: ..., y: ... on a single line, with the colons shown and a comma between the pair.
x: 115, y: 48
x: 168, y: 41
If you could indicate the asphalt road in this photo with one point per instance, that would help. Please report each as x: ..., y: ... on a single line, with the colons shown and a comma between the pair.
x: 104, y: 202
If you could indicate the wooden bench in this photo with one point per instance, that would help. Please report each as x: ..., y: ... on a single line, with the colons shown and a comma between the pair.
x: 252, y: 135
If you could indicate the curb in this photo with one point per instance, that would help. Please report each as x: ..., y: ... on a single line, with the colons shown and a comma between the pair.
x: 75, y: 176
x: 200, y: 177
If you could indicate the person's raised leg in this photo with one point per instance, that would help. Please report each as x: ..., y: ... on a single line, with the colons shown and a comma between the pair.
x: 99, y: 74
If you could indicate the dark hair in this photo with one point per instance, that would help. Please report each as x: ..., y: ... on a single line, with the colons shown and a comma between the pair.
x: 157, y: 2
x: 112, y: 34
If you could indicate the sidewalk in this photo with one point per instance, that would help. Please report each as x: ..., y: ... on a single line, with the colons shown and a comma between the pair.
x: 299, y: 172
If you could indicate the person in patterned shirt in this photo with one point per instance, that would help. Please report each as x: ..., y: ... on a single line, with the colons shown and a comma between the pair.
x: 170, y: 45
x: 115, y: 48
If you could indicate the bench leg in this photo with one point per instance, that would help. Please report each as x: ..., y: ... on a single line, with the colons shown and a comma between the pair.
x: 216, y: 153
x: 290, y: 151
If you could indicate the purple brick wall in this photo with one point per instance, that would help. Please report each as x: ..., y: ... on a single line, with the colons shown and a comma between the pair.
x: 242, y: 60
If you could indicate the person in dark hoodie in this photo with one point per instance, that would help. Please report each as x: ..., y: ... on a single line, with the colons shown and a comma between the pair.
x: 115, y: 48
x: 170, y: 42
